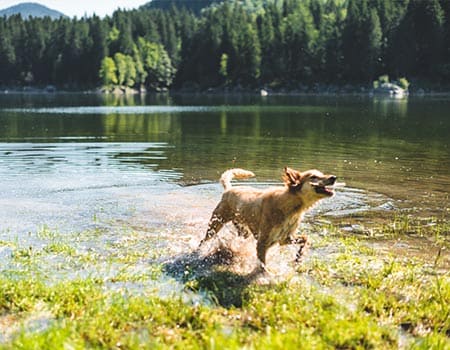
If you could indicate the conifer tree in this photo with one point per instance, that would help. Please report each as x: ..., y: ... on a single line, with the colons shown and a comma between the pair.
x: 276, y: 42
x: 417, y: 47
x: 361, y: 41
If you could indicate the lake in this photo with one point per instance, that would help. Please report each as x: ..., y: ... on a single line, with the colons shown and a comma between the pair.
x: 104, y: 200
x: 77, y: 162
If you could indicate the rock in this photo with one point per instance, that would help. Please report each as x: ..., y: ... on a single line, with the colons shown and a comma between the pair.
x: 50, y: 88
x: 142, y: 89
x: 391, y: 90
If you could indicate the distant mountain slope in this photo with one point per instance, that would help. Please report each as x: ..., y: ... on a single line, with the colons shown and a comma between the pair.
x: 194, y: 5
x: 33, y: 9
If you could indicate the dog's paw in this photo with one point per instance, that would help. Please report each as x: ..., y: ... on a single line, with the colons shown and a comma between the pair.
x: 261, y: 275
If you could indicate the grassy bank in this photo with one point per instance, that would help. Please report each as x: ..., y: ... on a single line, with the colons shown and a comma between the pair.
x: 347, y: 294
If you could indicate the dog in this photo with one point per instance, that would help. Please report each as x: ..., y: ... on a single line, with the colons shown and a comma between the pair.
x: 272, y: 215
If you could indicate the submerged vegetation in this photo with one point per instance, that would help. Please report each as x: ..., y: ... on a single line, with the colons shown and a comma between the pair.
x: 348, y: 294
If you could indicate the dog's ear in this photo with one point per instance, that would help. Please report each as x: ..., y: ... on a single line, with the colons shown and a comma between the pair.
x: 292, y: 177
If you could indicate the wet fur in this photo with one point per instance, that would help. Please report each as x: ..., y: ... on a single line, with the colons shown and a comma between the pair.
x: 272, y: 215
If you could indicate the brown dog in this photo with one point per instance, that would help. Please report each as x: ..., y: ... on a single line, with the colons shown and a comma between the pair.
x: 272, y: 215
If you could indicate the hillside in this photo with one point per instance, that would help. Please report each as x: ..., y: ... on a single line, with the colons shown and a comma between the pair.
x: 32, y: 9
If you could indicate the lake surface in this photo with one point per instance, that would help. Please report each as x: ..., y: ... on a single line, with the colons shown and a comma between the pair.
x: 74, y: 162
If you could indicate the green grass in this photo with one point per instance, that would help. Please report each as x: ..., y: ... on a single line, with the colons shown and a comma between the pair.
x: 346, y: 295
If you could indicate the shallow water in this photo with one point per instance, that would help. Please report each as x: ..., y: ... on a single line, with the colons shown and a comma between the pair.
x: 72, y: 163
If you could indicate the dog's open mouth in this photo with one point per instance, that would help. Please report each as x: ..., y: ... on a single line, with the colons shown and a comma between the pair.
x: 326, y: 186
x: 326, y: 190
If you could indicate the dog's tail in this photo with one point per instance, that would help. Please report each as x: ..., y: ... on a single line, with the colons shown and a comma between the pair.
x: 231, y: 174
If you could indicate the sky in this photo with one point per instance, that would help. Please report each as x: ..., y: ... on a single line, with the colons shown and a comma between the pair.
x: 80, y: 8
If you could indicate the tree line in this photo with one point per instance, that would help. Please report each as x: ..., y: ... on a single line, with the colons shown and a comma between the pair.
x: 277, y: 43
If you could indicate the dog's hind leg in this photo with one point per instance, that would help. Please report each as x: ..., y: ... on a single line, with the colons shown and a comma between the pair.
x: 215, y: 225
x: 218, y: 219
x: 261, y: 249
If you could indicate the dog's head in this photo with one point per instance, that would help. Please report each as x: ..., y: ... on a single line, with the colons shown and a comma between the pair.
x: 312, y: 185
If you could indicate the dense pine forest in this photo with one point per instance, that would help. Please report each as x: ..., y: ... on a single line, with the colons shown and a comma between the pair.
x: 247, y: 43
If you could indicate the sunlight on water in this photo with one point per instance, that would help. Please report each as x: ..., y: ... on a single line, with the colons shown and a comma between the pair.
x: 112, y: 109
x: 159, y: 109
x: 65, y: 185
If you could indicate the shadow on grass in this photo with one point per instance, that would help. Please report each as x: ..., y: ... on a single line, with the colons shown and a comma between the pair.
x: 214, y: 273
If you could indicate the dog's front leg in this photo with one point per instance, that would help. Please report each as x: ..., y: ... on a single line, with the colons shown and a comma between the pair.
x: 303, y: 244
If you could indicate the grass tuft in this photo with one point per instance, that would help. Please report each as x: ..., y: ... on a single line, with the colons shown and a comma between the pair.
x: 348, y: 294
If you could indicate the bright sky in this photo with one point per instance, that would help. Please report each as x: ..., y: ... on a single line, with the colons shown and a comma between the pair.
x: 80, y: 8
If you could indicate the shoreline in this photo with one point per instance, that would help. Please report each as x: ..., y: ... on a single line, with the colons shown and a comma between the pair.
x: 331, y: 90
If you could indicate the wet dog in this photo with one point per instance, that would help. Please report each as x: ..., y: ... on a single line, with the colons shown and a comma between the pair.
x: 272, y: 215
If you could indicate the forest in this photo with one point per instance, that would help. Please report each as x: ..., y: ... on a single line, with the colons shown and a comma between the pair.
x: 235, y: 43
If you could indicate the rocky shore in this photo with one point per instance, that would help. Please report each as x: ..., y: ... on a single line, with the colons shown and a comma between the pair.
x: 387, y: 89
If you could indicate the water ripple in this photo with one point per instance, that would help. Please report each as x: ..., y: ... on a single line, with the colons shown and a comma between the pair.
x: 156, y: 109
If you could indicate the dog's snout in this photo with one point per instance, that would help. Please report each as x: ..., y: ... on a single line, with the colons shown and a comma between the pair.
x: 332, y: 179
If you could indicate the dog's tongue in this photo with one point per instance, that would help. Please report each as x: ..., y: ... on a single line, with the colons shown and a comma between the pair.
x: 329, y: 189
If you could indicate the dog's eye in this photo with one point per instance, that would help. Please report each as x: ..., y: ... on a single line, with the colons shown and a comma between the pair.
x: 314, y: 178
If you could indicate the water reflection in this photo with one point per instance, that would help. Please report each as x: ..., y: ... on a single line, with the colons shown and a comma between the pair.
x: 390, y: 107
x: 394, y: 147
